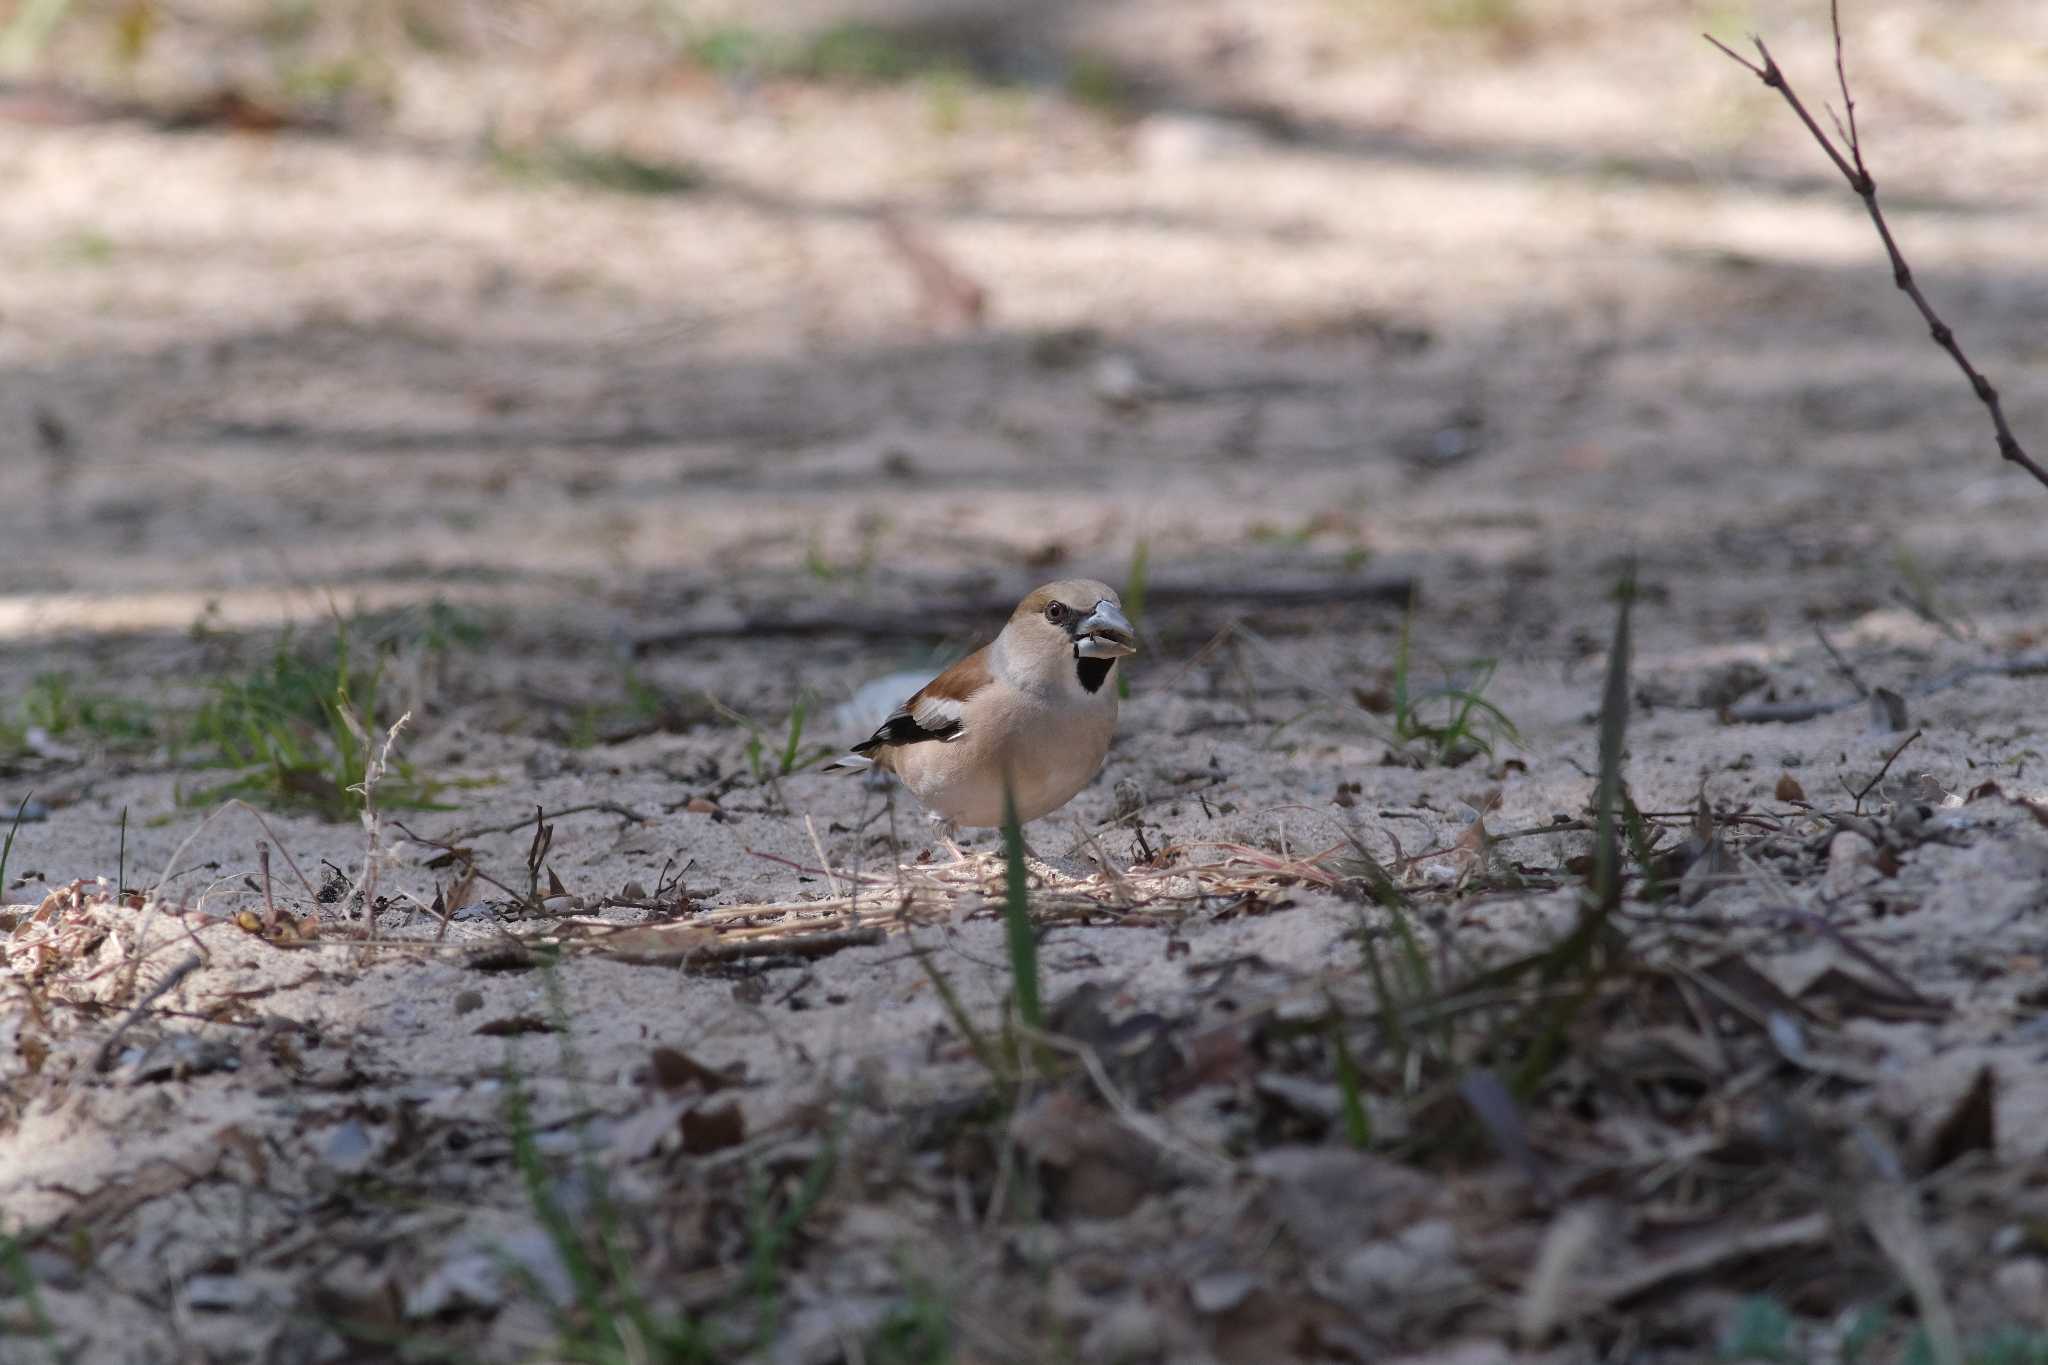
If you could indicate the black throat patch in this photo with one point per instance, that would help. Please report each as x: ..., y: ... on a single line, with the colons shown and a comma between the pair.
x: 1093, y: 673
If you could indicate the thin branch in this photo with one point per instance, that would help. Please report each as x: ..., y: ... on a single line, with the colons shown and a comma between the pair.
x: 1890, y: 759
x: 1853, y: 170
x: 1754, y: 713
x: 1841, y: 664
x: 608, y: 807
x: 1842, y: 79
x: 110, y: 1050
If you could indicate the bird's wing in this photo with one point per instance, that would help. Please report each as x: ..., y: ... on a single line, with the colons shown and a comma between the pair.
x: 938, y: 709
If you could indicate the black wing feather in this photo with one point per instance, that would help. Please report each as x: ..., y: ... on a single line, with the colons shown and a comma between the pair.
x: 904, y: 728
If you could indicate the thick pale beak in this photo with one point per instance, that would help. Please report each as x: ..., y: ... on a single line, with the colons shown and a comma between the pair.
x: 1106, y: 634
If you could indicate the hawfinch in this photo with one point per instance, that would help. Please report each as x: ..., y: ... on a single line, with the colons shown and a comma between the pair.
x: 1033, y: 708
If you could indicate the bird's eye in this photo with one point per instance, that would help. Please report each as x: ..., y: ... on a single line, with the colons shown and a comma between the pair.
x: 1056, y: 612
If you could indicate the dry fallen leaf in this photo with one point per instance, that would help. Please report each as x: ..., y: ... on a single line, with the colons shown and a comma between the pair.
x: 1789, y: 788
x: 713, y: 1127
x: 513, y: 1025
x: 672, y: 1069
x: 1971, y: 1126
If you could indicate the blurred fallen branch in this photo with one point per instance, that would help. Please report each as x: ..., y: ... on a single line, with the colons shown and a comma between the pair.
x: 948, y: 298
x: 1764, y: 712
x: 1858, y: 175
x: 974, y: 612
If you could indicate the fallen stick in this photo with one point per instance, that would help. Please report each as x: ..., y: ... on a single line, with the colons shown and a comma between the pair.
x: 1762, y: 712
x: 734, y: 950
x: 970, y: 612
x: 110, y: 1048
x: 1792, y: 1234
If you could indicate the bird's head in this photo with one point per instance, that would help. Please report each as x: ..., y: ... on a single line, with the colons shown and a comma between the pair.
x: 1076, y: 622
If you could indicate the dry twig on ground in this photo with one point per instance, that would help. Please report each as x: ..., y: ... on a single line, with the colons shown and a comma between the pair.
x: 1858, y: 175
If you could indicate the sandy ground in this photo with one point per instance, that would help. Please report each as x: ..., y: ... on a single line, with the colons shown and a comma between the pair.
x: 1326, y: 302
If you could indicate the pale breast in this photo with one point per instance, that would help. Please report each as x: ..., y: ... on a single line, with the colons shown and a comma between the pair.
x: 1049, y: 754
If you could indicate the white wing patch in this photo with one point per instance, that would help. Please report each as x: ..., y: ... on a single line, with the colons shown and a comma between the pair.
x: 942, y: 715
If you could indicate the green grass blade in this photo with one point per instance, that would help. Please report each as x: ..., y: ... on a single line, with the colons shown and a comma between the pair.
x: 793, y: 749
x: 977, y: 1041
x: 8, y: 847
x: 1391, y: 1022
x: 1017, y: 917
x: 1357, y: 1126
x: 1603, y: 895
x: 1135, y: 579
x: 24, y: 1278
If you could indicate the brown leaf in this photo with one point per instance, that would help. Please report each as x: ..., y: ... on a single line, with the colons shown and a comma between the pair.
x: 1095, y: 1167
x: 1971, y: 1126
x: 713, y: 1128
x: 1218, y: 1057
x: 1712, y: 867
x: 672, y: 1069
x: 1789, y: 788
x: 513, y: 1025
x: 1378, y: 700
x: 1853, y: 996
x: 509, y: 956
x: 1887, y: 709
x: 698, y: 805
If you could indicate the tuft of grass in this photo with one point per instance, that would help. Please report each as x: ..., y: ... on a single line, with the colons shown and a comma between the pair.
x: 772, y: 1230
x: 1357, y: 1126
x: 1761, y: 1330
x: 1100, y: 84
x: 609, y: 1322
x: 23, y: 1275
x: 562, y: 162
x: 1483, y: 16
x: 1580, y: 955
x: 917, y: 1331
x: 846, y: 53
x: 765, y: 762
x: 84, y: 246
x: 300, y: 731
x: 857, y: 53
x: 1471, y: 724
x: 54, y: 704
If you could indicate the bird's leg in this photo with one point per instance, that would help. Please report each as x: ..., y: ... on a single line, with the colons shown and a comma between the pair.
x: 946, y: 830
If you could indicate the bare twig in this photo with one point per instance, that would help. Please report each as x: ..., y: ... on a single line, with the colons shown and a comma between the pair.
x: 1841, y: 664
x: 1709, y: 1253
x: 968, y: 610
x: 608, y: 807
x: 1890, y: 759
x: 2022, y: 666
x: 1858, y: 175
x: 948, y: 298
x: 110, y: 1048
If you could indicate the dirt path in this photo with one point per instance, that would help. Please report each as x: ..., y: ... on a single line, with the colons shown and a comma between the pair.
x: 1312, y: 307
